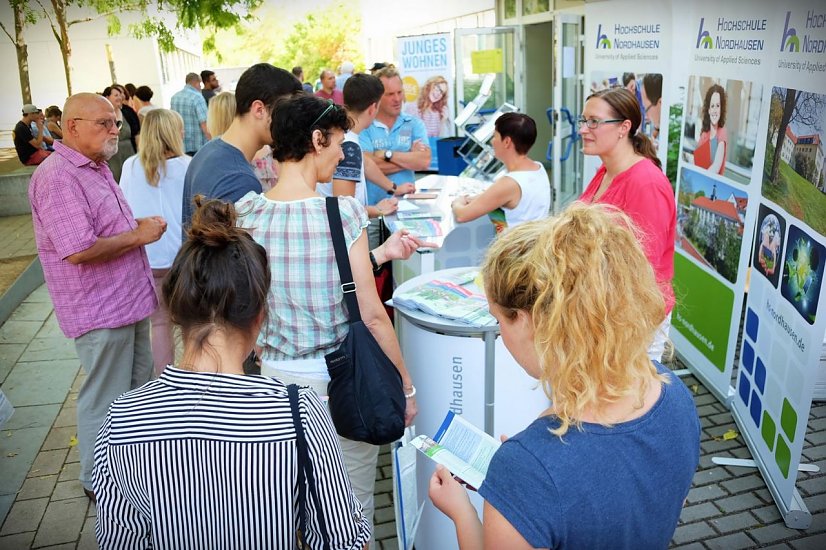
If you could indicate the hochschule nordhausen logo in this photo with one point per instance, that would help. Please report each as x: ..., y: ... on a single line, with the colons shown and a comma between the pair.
x: 790, y: 41
x: 703, y: 37
x: 602, y: 39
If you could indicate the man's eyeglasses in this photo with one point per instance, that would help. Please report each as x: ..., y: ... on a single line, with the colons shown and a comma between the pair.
x: 594, y: 123
x: 105, y: 122
x: 329, y: 108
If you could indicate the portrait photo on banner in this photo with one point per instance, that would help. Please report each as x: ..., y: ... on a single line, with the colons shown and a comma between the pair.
x: 710, y: 222
x: 648, y: 89
x: 428, y: 100
x: 720, y: 130
x: 793, y: 170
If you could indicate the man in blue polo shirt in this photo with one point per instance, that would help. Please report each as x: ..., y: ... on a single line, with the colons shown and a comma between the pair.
x: 397, y: 141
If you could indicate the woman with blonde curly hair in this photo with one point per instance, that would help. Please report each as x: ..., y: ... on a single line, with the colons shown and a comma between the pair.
x: 610, y: 463
x: 431, y: 107
x: 153, y: 184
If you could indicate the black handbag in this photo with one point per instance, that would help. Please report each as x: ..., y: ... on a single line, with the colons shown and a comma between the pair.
x: 305, y: 472
x: 367, y: 400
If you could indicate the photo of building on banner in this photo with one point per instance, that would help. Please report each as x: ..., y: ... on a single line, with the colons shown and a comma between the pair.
x: 426, y: 67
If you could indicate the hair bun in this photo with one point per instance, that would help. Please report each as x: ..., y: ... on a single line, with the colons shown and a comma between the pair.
x: 213, y: 223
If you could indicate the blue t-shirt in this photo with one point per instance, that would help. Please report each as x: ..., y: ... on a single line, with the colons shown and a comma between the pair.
x: 376, y: 137
x: 218, y: 171
x: 619, y: 487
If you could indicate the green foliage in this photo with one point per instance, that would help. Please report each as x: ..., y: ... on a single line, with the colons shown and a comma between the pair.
x: 797, y: 196
x: 804, y: 166
x: 113, y: 26
x: 775, y: 112
x: 188, y: 14
x: 675, y: 121
x: 323, y: 39
x: 215, y: 14
x: 154, y: 28
x: 30, y: 15
x: 248, y: 42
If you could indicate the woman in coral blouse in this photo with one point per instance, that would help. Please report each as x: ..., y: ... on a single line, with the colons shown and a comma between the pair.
x: 631, y: 179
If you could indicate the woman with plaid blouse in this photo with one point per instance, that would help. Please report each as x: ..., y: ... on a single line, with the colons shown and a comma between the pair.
x: 307, y: 316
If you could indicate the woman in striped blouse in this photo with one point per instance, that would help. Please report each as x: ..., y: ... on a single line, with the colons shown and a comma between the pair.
x: 205, y: 456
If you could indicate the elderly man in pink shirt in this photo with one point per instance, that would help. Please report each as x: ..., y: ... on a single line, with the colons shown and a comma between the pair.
x: 96, y: 270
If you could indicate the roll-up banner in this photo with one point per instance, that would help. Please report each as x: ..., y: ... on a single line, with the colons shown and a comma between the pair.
x: 426, y: 67
x: 718, y: 184
x: 785, y: 319
x: 744, y: 87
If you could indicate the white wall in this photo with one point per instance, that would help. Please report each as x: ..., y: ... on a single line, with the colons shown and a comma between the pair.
x: 135, y: 61
x: 380, y: 26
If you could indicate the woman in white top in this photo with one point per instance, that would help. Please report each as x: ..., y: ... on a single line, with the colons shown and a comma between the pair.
x: 524, y: 194
x: 153, y: 184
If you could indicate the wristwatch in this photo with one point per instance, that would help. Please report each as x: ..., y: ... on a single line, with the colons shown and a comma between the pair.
x: 388, y: 155
x: 392, y: 190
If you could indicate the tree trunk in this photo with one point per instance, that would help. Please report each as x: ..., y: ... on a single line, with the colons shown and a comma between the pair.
x: 788, y: 108
x: 59, y: 7
x: 22, y: 52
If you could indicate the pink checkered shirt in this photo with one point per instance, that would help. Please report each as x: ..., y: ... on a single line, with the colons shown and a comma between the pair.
x: 75, y: 201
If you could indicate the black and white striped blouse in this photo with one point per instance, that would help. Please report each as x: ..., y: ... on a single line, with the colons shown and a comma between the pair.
x: 201, y: 460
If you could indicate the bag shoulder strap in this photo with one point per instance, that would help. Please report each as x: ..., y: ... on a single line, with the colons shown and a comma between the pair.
x: 305, y: 468
x: 342, y: 259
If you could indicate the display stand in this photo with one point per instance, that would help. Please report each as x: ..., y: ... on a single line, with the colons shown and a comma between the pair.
x: 467, y: 370
x: 476, y: 151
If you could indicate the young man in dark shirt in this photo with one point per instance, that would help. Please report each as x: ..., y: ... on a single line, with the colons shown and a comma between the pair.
x: 28, y: 147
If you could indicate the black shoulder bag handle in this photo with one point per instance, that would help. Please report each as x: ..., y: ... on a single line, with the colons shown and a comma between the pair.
x: 348, y: 287
x: 305, y: 468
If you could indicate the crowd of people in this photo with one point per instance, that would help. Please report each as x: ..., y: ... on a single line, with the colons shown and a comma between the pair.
x: 211, y: 217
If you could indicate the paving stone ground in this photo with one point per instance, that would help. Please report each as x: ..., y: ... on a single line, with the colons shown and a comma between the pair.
x: 42, y: 503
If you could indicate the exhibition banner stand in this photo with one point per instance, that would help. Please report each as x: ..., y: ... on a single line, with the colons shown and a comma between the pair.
x: 426, y: 67
x: 717, y: 187
x: 751, y: 209
x: 784, y: 318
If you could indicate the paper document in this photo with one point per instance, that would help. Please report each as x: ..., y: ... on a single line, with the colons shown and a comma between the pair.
x: 406, y: 503
x: 461, y: 447
x: 406, y: 206
x: 419, y: 215
x: 456, y: 298
x: 420, y: 228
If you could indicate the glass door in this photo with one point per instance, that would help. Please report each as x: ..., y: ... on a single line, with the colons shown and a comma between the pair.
x: 484, y: 51
x: 566, y: 151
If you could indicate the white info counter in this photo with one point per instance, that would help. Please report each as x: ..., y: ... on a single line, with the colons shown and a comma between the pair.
x: 431, y: 218
x: 467, y: 370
